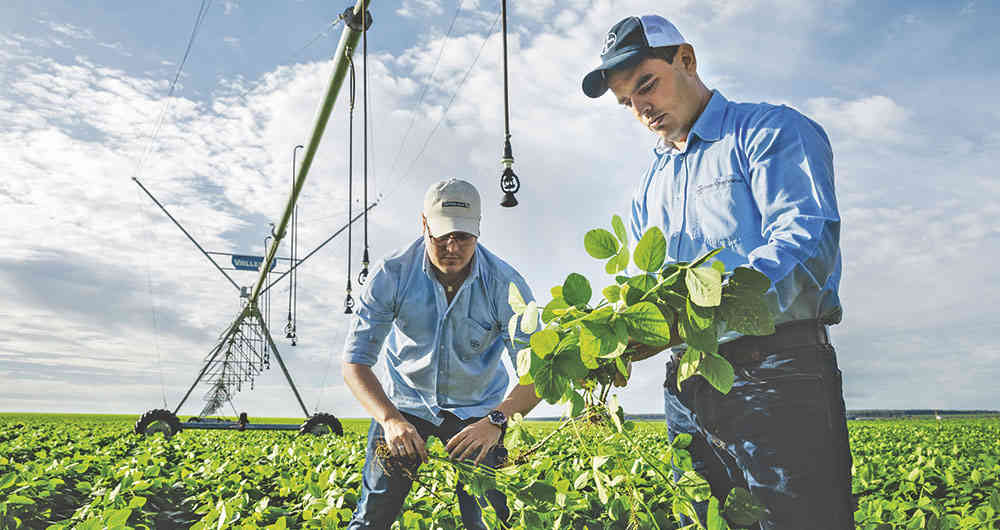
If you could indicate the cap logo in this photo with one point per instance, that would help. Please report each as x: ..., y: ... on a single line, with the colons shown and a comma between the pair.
x: 609, y: 42
x: 460, y: 204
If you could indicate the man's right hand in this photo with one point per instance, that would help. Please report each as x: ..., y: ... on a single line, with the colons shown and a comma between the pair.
x: 403, y: 439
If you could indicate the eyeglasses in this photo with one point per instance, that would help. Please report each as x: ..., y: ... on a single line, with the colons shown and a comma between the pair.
x: 462, y: 238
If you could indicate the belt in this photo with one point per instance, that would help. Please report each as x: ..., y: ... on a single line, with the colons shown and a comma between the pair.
x: 786, y: 336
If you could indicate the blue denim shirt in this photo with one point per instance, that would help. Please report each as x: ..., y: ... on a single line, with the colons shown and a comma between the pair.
x: 756, y: 179
x: 439, y: 357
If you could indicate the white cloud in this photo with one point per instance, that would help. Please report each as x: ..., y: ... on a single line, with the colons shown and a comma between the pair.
x: 91, y: 271
x: 870, y: 119
x: 419, y: 8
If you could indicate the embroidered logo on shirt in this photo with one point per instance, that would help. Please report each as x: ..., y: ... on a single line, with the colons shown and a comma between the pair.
x: 716, y: 184
x: 460, y: 204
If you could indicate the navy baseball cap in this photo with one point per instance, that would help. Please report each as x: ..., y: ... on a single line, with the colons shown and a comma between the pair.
x: 627, y: 42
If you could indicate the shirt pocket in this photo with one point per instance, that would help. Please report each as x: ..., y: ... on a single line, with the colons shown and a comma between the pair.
x: 722, y: 204
x: 473, y: 338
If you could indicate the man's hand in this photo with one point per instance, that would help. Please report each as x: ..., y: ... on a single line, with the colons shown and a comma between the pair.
x: 404, y: 440
x: 475, y: 440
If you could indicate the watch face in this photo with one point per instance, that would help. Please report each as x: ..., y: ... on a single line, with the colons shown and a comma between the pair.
x: 497, y: 418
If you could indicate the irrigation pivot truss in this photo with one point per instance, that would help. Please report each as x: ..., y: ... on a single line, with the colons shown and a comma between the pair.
x: 246, y: 347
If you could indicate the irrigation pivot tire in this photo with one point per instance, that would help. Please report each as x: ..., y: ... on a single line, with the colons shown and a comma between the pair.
x: 158, y: 421
x: 321, y: 423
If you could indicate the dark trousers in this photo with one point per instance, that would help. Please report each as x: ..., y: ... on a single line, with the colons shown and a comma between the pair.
x: 781, y: 432
x: 382, y: 495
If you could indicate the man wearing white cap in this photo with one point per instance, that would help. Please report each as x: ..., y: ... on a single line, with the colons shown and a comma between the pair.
x: 442, y: 302
x: 756, y: 180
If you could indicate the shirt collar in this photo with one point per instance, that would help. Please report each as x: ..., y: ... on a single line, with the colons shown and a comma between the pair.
x: 708, y: 126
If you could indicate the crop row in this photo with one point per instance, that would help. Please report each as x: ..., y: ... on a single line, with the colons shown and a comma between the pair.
x: 62, y: 473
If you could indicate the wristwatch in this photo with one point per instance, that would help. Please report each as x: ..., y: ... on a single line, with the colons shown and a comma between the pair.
x: 500, y: 420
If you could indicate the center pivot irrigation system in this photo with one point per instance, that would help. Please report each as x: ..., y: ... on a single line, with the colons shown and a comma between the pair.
x: 245, y: 347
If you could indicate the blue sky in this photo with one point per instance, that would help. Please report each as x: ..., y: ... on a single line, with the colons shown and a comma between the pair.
x: 108, y: 307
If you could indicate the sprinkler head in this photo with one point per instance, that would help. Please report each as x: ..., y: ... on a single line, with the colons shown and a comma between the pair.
x: 509, y: 184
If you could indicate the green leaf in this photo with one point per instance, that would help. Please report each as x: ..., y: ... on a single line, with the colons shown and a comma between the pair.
x: 569, y: 364
x: 752, y: 280
x: 616, y: 413
x: 602, y: 315
x: 717, y: 371
x: 646, y: 324
x: 681, y: 440
x: 541, y: 491
x: 582, y: 480
x: 619, y: 227
x: 705, y: 257
x: 715, y: 519
x: 695, y: 486
x: 515, y: 299
x: 596, y: 339
x: 576, y: 290
x: 554, y: 309
x: 544, y: 342
x: 8, y: 480
x: 688, y: 365
x: 529, y: 321
x: 642, y: 283
x: 549, y: 385
x: 556, y: 291
x: 19, y: 499
x: 651, y: 250
x: 600, y: 243
x: 742, y: 509
x: 719, y: 266
x: 704, y: 286
x: 137, y: 502
x: 700, y: 317
x: 704, y: 339
x: 117, y: 518
x: 524, y: 365
x: 612, y: 293
x: 617, y: 263
x: 576, y: 404
x: 747, y: 314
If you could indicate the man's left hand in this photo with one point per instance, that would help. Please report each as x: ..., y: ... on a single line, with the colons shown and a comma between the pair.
x: 475, y: 440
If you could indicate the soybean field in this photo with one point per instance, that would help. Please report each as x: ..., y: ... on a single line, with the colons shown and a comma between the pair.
x: 92, y: 472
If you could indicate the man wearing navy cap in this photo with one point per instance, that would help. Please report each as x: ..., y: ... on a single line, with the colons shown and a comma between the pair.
x: 756, y: 180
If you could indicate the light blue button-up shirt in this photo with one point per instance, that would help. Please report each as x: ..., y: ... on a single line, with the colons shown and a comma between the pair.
x: 439, y: 356
x: 756, y: 179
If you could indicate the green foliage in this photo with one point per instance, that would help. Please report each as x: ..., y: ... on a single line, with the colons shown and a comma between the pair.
x: 665, y: 304
x: 78, y: 472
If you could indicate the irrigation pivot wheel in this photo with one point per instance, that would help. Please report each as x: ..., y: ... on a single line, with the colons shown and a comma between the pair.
x: 321, y: 423
x: 158, y: 421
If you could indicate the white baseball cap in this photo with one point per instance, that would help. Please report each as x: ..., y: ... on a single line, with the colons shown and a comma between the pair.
x: 452, y: 205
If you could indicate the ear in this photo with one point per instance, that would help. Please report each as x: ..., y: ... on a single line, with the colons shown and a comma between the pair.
x: 685, y: 56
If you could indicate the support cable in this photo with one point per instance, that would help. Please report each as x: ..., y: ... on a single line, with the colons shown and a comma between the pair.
x: 349, y: 301
x: 427, y: 85
x: 363, y: 276
x: 444, y: 114
x: 202, y: 11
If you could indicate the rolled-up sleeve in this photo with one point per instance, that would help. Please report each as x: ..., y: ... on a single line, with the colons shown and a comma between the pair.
x: 791, y: 166
x: 372, y: 320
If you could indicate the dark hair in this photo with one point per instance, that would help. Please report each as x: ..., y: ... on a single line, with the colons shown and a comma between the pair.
x: 666, y: 53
